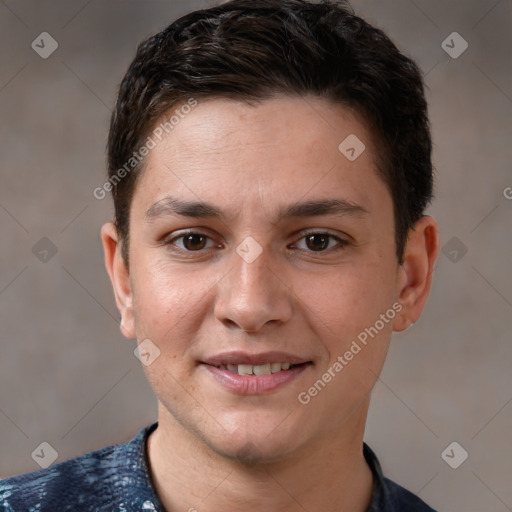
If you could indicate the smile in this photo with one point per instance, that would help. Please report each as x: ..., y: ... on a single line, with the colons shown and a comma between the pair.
x: 254, y: 374
x: 260, y: 369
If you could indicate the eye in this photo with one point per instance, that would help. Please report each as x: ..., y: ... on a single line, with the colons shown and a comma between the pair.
x: 320, y: 242
x: 191, y: 241
x: 194, y: 241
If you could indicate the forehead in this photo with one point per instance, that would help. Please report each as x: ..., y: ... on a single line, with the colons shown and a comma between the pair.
x: 226, y: 151
x: 278, y: 127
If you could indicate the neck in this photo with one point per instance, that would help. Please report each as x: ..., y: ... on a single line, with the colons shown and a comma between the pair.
x: 329, y: 474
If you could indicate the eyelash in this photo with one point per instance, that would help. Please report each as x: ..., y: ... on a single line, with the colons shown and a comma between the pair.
x: 340, y: 245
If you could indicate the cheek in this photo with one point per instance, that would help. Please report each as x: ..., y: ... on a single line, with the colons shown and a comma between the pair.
x: 347, y: 300
x: 167, y: 300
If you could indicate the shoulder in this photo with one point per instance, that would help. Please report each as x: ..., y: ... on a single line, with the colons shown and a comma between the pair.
x: 61, y: 483
x: 79, y: 483
x: 402, y: 500
x: 388, y: 496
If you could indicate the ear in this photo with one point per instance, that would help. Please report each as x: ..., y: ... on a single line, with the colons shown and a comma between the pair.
x: 119, y: 277
x: 415, y: 274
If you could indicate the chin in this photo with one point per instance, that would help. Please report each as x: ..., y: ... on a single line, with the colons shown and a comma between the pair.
x: 256, y: 435
x: 252, y: 441
x: 249, y: 453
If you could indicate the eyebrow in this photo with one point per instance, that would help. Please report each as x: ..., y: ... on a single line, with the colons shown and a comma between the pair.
x: 199, y: 209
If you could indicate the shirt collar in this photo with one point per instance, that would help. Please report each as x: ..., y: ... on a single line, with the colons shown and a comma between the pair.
x: 137, y: 489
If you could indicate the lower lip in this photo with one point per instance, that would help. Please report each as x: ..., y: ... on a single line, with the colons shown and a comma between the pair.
x: 255, y: 384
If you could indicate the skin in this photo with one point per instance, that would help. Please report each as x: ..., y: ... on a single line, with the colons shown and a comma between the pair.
x: 215, y: 449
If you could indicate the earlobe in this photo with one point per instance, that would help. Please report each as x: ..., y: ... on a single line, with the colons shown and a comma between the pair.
x: 415, y: 274
x: 119, y: 277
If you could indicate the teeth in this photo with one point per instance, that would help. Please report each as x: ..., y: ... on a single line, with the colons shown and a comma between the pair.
x: 276, y: 367
x: 260, y: 369
x: 245, y: 369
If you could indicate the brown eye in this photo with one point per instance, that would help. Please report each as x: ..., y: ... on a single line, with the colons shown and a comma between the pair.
x: 320, y: 242
x: 317, y: 242
x: 191, y: 242
x: 194, y: 242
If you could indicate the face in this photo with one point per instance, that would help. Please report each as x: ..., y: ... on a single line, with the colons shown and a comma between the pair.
x: 263, y: 267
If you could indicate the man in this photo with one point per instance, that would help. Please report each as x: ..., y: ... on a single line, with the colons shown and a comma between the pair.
x: 270, y: 166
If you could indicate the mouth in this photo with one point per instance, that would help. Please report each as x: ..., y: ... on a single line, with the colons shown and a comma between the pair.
x: 260, y: 369
x: 253, y: 374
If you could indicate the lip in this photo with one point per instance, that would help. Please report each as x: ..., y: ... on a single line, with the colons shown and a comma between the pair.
x: 254, y: 384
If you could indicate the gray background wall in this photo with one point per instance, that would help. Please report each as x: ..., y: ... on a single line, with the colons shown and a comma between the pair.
x: 68, y: 377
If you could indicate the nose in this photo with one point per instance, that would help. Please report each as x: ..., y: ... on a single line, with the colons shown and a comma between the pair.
x: 253, y: 295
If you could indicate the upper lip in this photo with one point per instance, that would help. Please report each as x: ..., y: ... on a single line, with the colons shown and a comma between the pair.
x: 240, y: 357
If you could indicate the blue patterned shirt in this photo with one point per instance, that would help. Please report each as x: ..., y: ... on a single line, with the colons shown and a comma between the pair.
x: 117, y: 479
